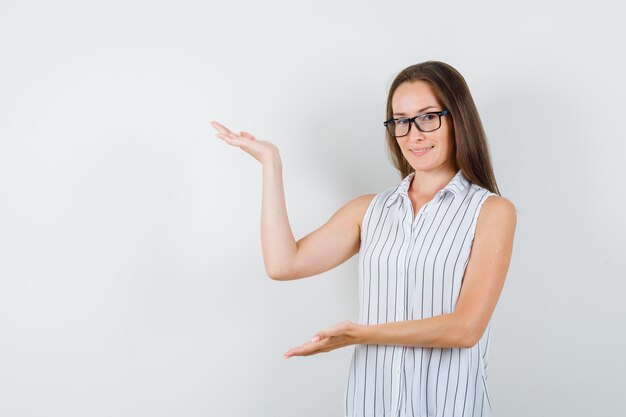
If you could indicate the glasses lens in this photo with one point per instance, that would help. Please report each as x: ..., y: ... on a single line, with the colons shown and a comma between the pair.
x: 428, y: 122
x: 398, y: 127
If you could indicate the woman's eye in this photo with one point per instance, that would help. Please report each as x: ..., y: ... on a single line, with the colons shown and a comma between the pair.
x: 402, y: 121
x: 428, y: 117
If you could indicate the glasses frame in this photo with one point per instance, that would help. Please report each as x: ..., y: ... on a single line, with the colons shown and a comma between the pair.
x: 413, y: 121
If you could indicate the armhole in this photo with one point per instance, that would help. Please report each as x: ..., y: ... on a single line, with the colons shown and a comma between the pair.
x: 480, y: 206
x: 366, y: 216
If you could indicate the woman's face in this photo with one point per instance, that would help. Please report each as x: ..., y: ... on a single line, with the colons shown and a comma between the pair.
x: 417, y: 97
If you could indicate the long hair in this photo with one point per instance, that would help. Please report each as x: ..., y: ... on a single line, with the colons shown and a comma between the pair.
x: 472, y: 153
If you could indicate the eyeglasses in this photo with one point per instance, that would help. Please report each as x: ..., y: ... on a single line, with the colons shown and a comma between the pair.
x: 426, y: 122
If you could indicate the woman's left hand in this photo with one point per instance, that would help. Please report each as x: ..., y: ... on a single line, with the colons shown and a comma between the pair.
x: 340, y: 335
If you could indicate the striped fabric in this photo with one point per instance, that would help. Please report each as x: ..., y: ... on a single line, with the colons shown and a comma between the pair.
x: 412, y: 268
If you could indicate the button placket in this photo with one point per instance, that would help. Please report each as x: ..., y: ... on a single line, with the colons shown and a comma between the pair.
x: 398, y: 382
x: 401, y: 282
x: 401, y: 271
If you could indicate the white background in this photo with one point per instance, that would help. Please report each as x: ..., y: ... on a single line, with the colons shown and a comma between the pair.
x: 131, y: 275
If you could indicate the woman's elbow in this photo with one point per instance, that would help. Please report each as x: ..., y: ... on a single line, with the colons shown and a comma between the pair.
x: 469, y: 333
x: 472, y: 335
x: 274, y: 274
x: 468, y: 341
x: 277, y: 274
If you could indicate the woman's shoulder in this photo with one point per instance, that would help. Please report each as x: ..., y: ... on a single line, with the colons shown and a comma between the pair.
x: 358, y: 206
x: 497, y: 210
x: 493, y: 199
x: 361, y: 202
x: 495, y: 202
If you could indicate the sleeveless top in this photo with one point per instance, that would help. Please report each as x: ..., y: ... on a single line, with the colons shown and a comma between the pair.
x: 413, y: 269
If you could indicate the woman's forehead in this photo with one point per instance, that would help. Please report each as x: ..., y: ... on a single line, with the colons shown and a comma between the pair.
x: 414, y: 97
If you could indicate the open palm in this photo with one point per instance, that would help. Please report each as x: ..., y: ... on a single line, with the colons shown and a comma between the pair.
x: 261, y: 150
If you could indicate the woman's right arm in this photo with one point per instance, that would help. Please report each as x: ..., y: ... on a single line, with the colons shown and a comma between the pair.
x: 330, y: 245
x: 321, y: 250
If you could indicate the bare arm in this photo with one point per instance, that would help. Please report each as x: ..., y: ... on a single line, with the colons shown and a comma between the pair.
x: 277, y: 241
x: 482, y: 285
x: 321, y: 250
x: 330, y: 245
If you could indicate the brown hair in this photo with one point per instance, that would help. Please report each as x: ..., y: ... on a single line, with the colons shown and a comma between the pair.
x: 472, y: 152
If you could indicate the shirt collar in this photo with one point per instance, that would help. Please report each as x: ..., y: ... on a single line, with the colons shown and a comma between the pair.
x: 456, y: 185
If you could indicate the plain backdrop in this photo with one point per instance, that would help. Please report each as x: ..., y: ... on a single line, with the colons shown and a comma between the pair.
x: 131, y: 274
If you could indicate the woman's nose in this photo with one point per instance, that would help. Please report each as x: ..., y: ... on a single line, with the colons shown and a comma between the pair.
x: 415, y: 133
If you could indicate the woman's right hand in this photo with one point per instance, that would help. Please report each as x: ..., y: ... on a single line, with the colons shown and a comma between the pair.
x: 261, y: 150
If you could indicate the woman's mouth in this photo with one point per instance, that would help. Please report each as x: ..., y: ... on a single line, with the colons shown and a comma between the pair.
x: 421, y: 150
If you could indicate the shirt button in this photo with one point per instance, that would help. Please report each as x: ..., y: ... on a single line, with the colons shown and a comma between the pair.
x: 400, y: 309
x: 400, y: 271
x: 396, y: 371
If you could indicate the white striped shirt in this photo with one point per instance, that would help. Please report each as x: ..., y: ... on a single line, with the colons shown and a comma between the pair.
x: 412, y: 268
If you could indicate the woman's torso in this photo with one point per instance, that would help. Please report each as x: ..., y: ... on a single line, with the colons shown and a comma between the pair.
x: 411, y: 264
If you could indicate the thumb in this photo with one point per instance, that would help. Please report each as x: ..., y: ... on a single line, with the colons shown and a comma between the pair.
x: 247, y: 135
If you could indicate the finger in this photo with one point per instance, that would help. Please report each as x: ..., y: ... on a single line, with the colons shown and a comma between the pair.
x: 247, y: 135
x: 292, y: 352
x: 302, y: 351
x: 221, y: 128
x: 320, y: 335
x: 331, y: 331
x: 233, y: 139
x: 303, y: 345
x: 217, y: 126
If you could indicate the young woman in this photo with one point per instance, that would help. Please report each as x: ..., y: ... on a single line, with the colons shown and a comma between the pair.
x: 434, y: 252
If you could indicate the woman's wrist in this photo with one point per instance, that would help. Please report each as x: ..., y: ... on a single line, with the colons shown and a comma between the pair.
x: 362, y: 333
x: 272, y: 160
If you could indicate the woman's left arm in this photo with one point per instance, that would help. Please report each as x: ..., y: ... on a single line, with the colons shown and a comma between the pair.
x: 482, y: 285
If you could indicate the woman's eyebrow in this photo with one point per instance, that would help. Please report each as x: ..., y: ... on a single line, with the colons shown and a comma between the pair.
x: 419, y: 111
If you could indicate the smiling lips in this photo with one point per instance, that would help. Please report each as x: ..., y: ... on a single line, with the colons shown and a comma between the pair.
x: 421, y: 151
